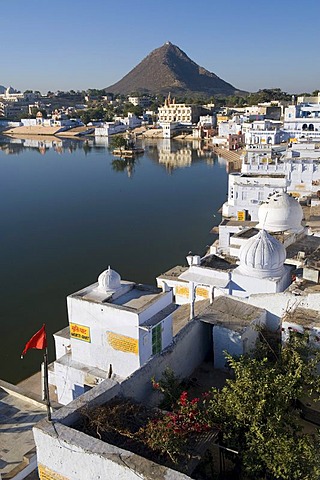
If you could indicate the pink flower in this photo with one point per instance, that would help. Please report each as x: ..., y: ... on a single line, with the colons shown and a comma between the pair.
x: 183, y: 398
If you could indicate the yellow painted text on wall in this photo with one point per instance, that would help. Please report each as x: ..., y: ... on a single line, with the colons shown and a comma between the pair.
x: 123, y: 343
x: 80, y: 332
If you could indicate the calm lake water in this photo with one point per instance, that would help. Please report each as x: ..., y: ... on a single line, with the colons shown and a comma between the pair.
x: 68, y: 210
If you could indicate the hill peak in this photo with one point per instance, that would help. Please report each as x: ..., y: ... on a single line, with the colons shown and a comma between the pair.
x: 169, y: 69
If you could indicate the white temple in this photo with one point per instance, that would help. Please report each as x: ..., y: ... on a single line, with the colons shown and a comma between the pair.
x: 115, y: 326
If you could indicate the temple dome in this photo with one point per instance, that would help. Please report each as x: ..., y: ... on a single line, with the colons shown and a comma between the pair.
x: 280, y: 213
x: 262, y: 256
x: 109, y: 280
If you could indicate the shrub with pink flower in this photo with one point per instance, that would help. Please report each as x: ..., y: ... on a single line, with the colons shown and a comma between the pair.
x: 170, y: 433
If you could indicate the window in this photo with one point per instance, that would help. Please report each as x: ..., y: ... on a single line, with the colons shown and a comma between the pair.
x: 156, y: 339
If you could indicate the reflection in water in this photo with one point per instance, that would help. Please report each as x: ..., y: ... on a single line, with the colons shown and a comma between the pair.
x: 65, y: 221
x: 175, y: 154
x: 124, y: 164
x: 14, y: 145
x: 169, y: 153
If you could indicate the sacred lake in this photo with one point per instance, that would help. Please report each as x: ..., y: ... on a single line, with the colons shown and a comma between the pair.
x: 69, y: 209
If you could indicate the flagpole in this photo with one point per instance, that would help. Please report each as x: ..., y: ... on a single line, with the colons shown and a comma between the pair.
x: 46, y: 384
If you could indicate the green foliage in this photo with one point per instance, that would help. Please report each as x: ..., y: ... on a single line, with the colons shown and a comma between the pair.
x: 258, y: 415
x: 117, y: 141
x: 171, y: 388
x: 98, y: 113
x: 268, y: 95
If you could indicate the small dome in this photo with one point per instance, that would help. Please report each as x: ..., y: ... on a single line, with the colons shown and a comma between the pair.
x: 262, y: 256
x: 280, y: 213
x: 109, y: 281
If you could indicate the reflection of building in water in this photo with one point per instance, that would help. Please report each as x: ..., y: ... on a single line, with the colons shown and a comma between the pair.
x: 100, y: 141
x: 44, y: 144
x: 13, y: 145
x: 173, y: 157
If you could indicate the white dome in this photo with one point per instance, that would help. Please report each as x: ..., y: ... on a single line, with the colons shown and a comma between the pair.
x: 262, y: 256
x: 109, y: 281
x: 280, y: 213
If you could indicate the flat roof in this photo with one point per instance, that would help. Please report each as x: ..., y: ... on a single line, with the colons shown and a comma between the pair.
x: 217, y: 263
x: 173, y: 273
x: 133, y: 297
x: 237, y: 223
x: 137, y: 298
x: 309, y: 244
x: 247, y: 233
x: 303, y: 316
x: 230, y: 313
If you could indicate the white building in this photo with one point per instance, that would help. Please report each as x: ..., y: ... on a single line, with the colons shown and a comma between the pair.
x: 266, y: 132
x: 230, y: 127
x: 261, y: 269
x: 179, y: 112
x: 139, y: 101
x: 266, y: 169
x: 110, y: 128
x: 120, y: 125
x: 280, y: 215
x: 302, y: 121
x: 246, y: 192
x: 169, y: 128
x: 115, y: 326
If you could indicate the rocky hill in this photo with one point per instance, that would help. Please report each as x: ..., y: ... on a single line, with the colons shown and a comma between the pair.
x: 169, y: 69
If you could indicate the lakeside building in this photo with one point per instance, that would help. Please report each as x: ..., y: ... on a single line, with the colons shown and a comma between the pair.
x: 266, y: 169
x: 119, y: 125
x: 57, y: 119
x: 302, y: 122
x: 115, y: 326
x: 180, y: 112
x: 261, y: 269
x: 257, y: 289
x: 66, y: 450
x: 249, y: 257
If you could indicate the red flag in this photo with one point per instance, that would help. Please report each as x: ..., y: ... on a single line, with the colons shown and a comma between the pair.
x: 39, y: 341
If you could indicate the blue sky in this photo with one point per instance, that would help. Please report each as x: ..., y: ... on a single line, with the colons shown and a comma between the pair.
x: 76, y: 44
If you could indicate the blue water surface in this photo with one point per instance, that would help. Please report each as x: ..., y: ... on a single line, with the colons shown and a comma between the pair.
x: 69, y: 209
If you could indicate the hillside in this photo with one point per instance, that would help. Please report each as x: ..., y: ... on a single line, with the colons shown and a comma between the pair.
x: 169, y: 69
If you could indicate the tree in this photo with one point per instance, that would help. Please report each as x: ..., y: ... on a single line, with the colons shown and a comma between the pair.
x: 259, y: 417
x: 117, y: 141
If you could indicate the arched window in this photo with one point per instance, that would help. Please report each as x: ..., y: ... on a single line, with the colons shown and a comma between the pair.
x: 311, y: 127
x: 304, y: 126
